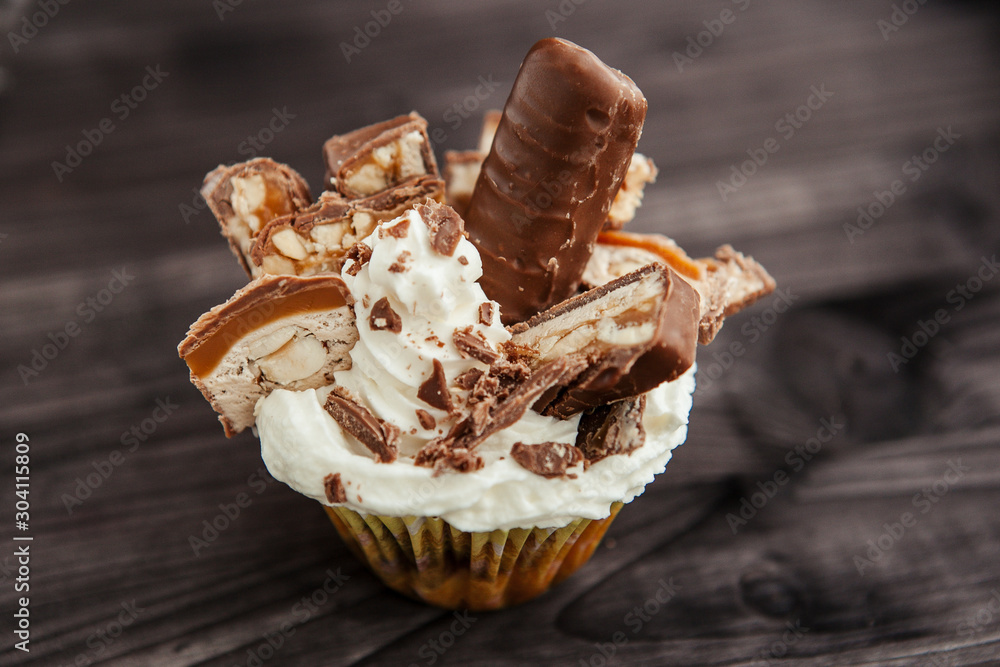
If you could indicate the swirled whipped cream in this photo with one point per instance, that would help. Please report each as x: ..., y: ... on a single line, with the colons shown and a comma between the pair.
x: 429, y: 295
x: 433, y: 294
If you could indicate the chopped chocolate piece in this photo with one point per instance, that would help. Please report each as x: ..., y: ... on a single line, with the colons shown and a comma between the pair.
x: 375, y: 158
x: 554, y: 168
x: 549, y: 459
x: 440, y: 455
x: 375, y: 434
x: 398, y: 266
x: 361, y: 254
x: 467, y: 380
x: 400, y: 229
x: 335, y: 491
x: 612, y: 429
x: 434, y: 390
x: 286, y: 332
x: 479, y: 415
x: 248, y: 195
x: 471, y: 431
x: 474, y: 347
x: 637, y: 331
x: 426, y: 419
x: 384, y: 318
x: 509, y: 373
x: 486, y: 313
x: 463, y: 260
x: 446, y: 228
x: 486, y: 387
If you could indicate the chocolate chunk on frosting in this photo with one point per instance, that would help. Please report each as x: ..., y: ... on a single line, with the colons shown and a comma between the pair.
x: 377, y: 435
x: 486, y: 313
x: 560, y: 154
x: 446, y: 228
x: 334, y: 487
x: 426, y: 419
x: 474, y: 347
x: 612, y: 429
x: 384, y: 318
x: 501, y: 413
x: 548, y: 459
x: 359, y: 254
x: 468, y: 379
x: 434, y: 390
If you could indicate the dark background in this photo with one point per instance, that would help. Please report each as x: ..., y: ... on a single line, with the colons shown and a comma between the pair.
x: 114, y: 578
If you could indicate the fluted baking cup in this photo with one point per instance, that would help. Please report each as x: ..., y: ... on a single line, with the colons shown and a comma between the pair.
x: 428, y: 559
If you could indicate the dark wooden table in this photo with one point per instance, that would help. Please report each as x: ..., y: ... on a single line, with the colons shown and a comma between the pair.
x: 836, y: 501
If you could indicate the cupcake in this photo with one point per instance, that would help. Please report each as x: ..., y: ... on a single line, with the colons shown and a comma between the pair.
x: 474, y: 391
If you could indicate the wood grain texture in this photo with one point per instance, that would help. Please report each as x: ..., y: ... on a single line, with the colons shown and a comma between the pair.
x: 824, y: 556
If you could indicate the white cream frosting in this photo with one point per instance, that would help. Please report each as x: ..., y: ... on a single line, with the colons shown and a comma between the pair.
x: 433, y: 296
x: 301, y: 443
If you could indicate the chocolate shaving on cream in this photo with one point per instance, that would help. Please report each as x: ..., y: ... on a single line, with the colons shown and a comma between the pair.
x: 548, y: 459
x: 384, y: 318
x: 335, y: 491
x: 434, y: 390
x: 377, y: 435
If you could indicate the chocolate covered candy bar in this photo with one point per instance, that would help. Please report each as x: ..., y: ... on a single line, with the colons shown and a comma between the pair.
x: 561, y: 151
x: 636, y: 332
x: 278, y: 331
x: 317, y: 239
x: 378, y: 157
x: 727, y: 283
x: 248, y: 195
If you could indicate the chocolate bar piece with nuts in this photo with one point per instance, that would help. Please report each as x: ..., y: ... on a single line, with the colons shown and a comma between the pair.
x: 377, y: 157
x: 726, y: 283
x: 248, y: 195
x: 636, y: 332
x: 285, y: 332
x: 317, y: 239
x: 560, y: 154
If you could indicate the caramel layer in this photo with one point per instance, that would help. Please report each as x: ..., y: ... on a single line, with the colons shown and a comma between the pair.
x: 275, y: 204
x: 674, y: 257
x: 203, y: 359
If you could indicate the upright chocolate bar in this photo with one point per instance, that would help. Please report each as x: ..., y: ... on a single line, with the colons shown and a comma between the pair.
x: 561, y: 151
x: 375, y: 158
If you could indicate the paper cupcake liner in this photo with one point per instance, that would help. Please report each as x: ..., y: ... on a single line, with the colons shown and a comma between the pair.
x: 429, y: 559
